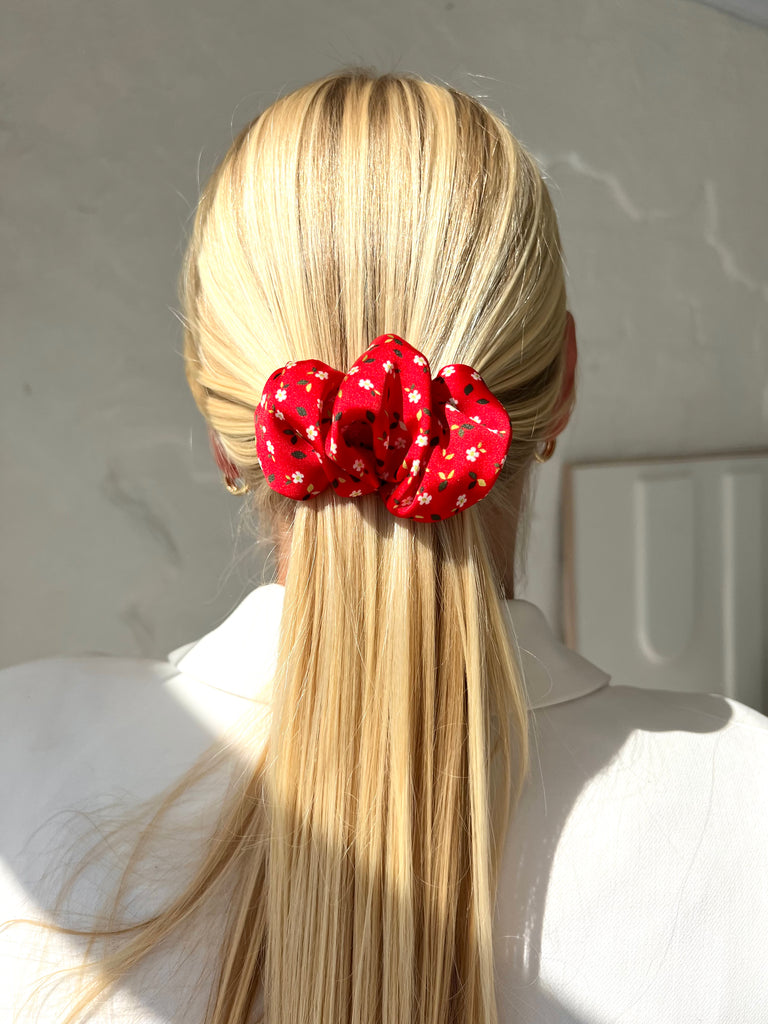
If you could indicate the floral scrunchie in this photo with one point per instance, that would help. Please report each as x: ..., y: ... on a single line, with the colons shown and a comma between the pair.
x: 431, y: 447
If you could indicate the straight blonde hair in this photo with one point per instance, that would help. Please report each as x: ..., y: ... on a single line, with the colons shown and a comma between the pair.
x: 362, y: 840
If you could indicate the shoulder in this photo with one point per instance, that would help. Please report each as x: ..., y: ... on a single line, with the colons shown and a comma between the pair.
x: 83, y: 740
x: 668, y: 793
x: 664, y: 790
x: 63, y: 681
x: 619, y: 711
x: 81, y: 731
x: 644, y: 819
x: 67, y: 708
x: 675, y: 742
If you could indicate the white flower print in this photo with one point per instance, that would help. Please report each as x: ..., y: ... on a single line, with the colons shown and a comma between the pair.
x: 367, y: 384
x: 263, y: 429
x: 279, y: 415
x: 388, y: 366
x: 271, y: 448
x: 281, y: 394
x: 312, y: 432
x: 321, y: 374
x: 263, y: 401
x: 290, y: 363
x: 352, y: 369
x: 421, y: 440
x: 400, y: 442
x: 461, y: 500
x: 476, y: 375
x: 415, y: 466
x: 358, y: 465
x: 473, y: 454
x: 297, y: 477
x: 447, y: 371
x: 415, y: 396
x: 332, y: 446
x: 355, y: 494
x: 419, y: 360
x: 424, y: 499
x: 477, y: 420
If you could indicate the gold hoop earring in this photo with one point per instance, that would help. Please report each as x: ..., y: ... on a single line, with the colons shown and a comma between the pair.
x: 546, y: 454
x: 235, y: 488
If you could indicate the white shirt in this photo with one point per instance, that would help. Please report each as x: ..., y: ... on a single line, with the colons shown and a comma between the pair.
x: 634, y: 881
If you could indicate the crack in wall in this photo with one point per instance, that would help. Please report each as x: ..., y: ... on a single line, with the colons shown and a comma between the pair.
x: 140, y: 511
x: 611, y: 182
x: 727, y: 259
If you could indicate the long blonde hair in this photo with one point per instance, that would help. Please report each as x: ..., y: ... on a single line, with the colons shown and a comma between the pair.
x: 364, y: 837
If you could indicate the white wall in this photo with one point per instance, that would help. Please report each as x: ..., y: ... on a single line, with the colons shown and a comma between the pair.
x: 648, y: 116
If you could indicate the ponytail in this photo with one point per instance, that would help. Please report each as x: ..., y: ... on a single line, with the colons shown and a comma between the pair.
x: 395, y: 694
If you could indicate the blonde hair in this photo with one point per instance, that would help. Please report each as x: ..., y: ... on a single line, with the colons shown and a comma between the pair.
x: 365, y: 835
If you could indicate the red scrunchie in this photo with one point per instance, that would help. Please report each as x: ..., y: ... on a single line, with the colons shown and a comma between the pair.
x: 432, y: 447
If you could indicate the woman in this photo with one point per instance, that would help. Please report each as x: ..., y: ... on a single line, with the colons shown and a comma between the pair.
x: 376, y: 333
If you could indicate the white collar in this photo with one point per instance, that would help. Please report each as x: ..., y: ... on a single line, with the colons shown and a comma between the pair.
x: 238, y: 657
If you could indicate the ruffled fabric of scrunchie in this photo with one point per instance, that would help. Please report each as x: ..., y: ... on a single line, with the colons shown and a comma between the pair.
x: 431, y: 447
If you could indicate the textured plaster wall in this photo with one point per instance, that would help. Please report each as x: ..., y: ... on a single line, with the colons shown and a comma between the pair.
x: 648, y: 116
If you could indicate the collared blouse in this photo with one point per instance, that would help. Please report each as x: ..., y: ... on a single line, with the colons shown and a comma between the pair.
x: 634, y: 880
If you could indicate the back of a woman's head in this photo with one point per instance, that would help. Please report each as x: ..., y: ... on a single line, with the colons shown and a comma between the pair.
x: 358, y: 206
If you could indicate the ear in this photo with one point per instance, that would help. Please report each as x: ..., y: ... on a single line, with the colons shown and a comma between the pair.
x: 569, y: 375
x: 229, y: 470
